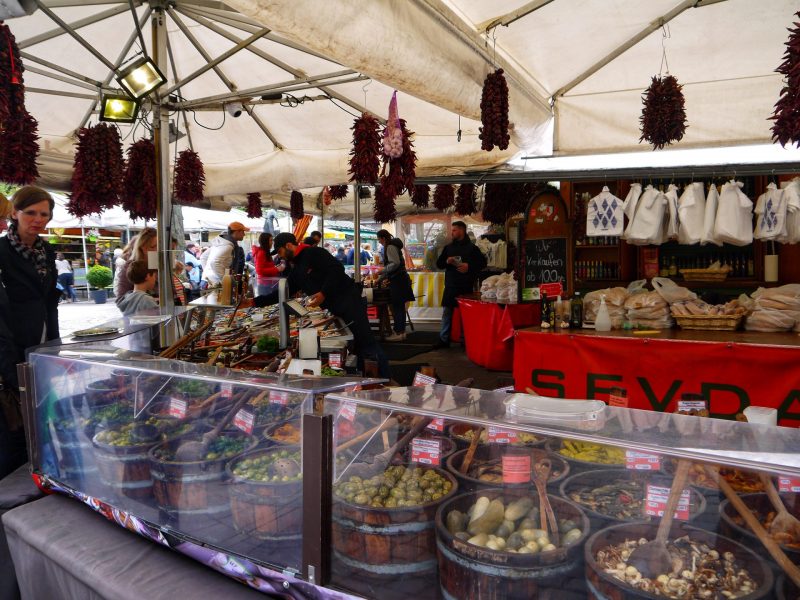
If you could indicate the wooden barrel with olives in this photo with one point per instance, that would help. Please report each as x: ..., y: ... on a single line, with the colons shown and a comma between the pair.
x: 732, y: 525
x: 711, y: 564
x: 265, y: 489
x: 121, y: 454
x: 490, y: 545
x: 612, y: 496
x: 486, y: 469
x: 193, y: 490
x: 384, y: 526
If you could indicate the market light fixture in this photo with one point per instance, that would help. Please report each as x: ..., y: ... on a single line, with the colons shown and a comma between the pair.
x: 118, y: 108
x: 141, y: 77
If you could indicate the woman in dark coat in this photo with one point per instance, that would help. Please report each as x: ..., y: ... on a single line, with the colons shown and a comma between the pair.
x: 28, y: 275
x: 399, y: 282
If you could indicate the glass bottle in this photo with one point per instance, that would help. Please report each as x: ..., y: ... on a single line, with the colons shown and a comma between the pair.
x: 673, y: 267
x: 576, y: 311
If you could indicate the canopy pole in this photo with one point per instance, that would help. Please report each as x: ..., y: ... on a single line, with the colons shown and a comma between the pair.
x: 322, y: 222
x: 356, y: 233
x: 161, y: 140
x: 85, y: 260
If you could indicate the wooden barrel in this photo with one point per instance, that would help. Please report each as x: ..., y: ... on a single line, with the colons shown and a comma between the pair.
x: 495, y: 452
x: 604, y: 586
x: 124, y: 469
x: 469, y: 571
x: 192, y: 490
x: 596, y: 479
x: 387, y: 542
x: 268, y: 510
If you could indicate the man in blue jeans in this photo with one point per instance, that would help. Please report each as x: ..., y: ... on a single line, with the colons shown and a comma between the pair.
x: 462, y: 261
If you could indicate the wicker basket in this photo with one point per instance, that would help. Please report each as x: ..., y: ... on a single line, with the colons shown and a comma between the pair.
x: 705, y: 274
x: 709, y: 322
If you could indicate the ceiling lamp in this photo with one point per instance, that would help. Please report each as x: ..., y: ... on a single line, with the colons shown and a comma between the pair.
x: 141, y: 77
x: 118, y: 108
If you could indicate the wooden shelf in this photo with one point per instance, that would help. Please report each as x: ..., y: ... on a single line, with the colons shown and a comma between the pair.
x: 606, y: 247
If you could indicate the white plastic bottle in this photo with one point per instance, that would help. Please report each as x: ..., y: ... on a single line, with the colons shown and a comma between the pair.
x: 602, y: 321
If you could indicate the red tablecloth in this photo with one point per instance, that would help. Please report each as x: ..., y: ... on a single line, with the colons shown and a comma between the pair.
x: 730, y: 374
x: 488, y: 330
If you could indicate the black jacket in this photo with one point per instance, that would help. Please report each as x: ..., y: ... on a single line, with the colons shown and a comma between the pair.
x: 32, y: 303
x: 314, y: 270
x: 455, y: 283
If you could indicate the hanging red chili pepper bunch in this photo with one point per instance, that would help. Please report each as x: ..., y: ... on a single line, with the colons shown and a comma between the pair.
x: 190, y: 178
x: 139, y: 194
x: 338, y: 192
x: 18, y: 129
x: 97, y: 170
x: 786, y: 128
x: 663, y: 119
x: 494, y: 112
x: 296, y: 205
x: 504, y: 200
x: 364, y: 157
x: 384, y: 209
x: 421, y: 196
x: 444, y: 197
x: 465, y: 199
x: 254, y: 205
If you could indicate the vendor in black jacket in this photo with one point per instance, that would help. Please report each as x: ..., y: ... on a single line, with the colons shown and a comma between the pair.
x: 315, y: 272
x: 462, y: 261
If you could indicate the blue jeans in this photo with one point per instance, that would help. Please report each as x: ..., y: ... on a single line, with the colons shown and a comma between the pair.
x: 447, y: 323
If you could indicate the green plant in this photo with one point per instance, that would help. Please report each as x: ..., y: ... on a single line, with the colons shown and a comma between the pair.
x: 99, y: 277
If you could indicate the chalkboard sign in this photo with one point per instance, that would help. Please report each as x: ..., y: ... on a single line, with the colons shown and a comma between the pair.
x: 546, y: 262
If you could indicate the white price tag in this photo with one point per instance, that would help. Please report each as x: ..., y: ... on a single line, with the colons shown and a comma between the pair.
x: 641, y: 461
x: 244, y: 420
x: 347, y: 411
x: 656, y: 502
x: 226, y: 391
x: 426, y: 451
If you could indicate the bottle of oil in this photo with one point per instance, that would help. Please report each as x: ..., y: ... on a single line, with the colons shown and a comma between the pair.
x: 227, y: 287
x: 576, y: 312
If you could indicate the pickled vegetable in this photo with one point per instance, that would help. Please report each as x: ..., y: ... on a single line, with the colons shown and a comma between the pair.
x: 262, y: 468
x: 397, y: 486
x: 288, y: 433
x: 593, y: 453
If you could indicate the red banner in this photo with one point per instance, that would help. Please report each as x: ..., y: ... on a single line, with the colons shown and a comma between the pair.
x: 655, y: 373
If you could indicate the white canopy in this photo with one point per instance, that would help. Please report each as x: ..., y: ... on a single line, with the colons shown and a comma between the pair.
x: 591, y: 58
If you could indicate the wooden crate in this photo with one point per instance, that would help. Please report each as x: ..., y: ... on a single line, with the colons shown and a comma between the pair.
x: 709, y: 322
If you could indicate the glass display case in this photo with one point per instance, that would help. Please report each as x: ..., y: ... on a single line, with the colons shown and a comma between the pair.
x: 555, y: 498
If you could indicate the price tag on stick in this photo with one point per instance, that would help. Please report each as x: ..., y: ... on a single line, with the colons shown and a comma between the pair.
x: 348, y: 411
x: 498, y: 435
x: 640, y: 461
x: 426, y: 451
x: 177, y: 408
x: 436, y: 424
x: 656, y: 501
x: 421, y: 380
x: 788, y: 484
x: 244, y: 420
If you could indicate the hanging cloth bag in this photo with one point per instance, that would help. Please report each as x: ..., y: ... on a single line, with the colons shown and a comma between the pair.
x: 691, y: 214
x: 771, y: 215
x: 734, y: 221
x: 712, y: 201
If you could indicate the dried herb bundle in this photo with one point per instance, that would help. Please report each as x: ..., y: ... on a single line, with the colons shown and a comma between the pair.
x: 786, y: 128
x: 384, y: 209
x: 398, y: 175
x: 494, y: 112
x: 139, y: 195
x: 663, y: 119
x: 465, y: 199
x: 338, y: 192
x: 504, y: 200
x: 444, y: 197
x: 254, y: 205
x: 421, y: 196
x: 364, y: 157
x: 97, y: 170
x: 190, y: 178
x: 18, y: 129
x: 296, y: 205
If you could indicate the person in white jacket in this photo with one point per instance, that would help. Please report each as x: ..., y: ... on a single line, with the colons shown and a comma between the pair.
x: 225, y: 253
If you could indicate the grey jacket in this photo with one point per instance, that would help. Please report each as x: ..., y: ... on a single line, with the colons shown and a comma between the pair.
x: 134, y: 302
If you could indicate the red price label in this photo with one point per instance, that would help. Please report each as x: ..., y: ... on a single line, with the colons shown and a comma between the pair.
x: 426, y: 451
x: 421, y: 380
x: 244, y: 420
x: 226, y: 390
x: 348, y: 411
x: 516, y: 468
x: 552, y: 289
x: 497, y: 435
x: 281, y: 398
x: 640, y: 461
x: 335, y: 360
x: 618, y: 401
x: 690, y: 405
x: 177, y: 408
x: 788, y: 484
x: 352, y: 387
x: 656, y: 502
x: 436, y: 424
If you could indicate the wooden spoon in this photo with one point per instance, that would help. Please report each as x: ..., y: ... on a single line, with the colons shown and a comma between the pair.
x: 541, y: 474
x: 653, y: 559
x: 470, y: 454
x: 377, y: 464
x: 783, y: 523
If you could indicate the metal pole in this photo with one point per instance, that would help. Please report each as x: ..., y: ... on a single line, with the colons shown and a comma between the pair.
x: 161, y: 140
x: 322, y: 223
x: 356, y: 233
x: 85, y: 260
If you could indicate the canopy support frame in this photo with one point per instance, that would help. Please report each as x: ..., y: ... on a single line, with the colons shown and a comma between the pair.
x: 71, y: 28
x: 508, y: 18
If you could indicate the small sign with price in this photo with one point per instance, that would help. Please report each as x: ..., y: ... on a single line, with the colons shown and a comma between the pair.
x: 498, y: 435
x: 788, y: 484
x: 335, y: 360
x: 691, y: 405
x: 618, y: 401
x: 244, y: 420
x: 177, y: 408
x: 552, y: 289
x: 656, y: 501
x: 276, y: 397
x: 226, y: 391
x: 516, y: 468
x: 436, y: 424
x: 641, y: 461
x: 421, y: 380
x: 348, y: 411
x: 426, y: 452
